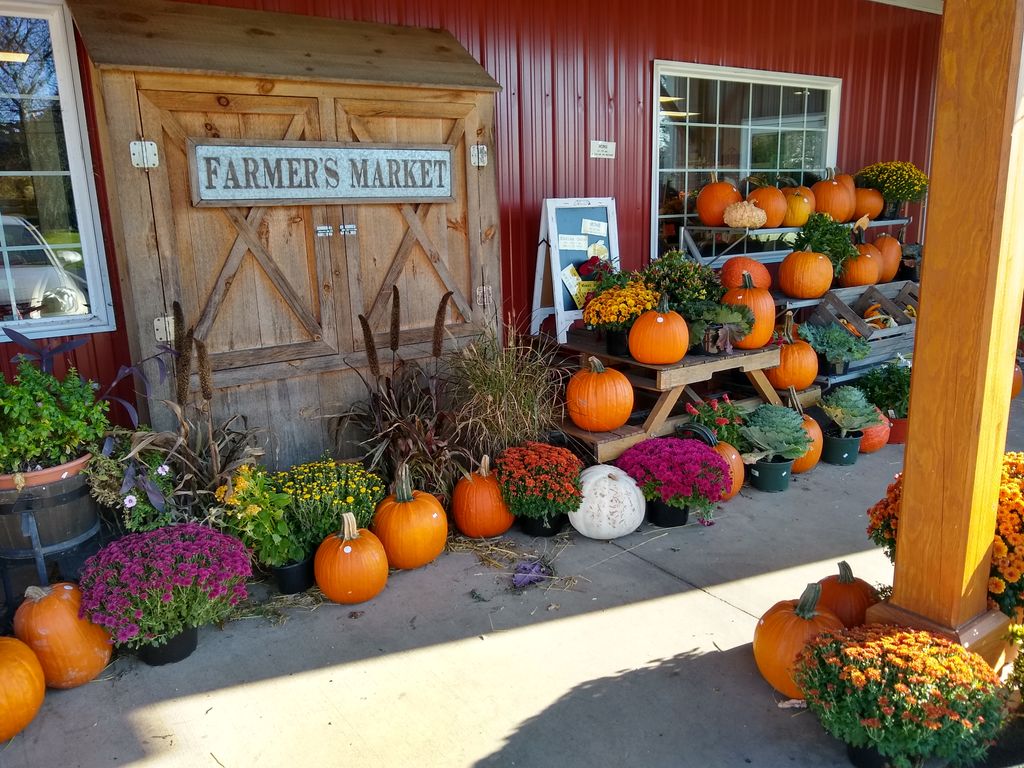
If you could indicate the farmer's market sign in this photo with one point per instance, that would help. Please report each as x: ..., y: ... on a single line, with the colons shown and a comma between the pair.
x: 229, y: 172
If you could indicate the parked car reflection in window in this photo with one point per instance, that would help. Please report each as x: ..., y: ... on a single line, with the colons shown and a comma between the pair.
x: 37, y: 281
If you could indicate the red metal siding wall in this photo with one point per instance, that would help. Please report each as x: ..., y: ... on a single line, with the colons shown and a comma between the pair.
x: 576, y: 70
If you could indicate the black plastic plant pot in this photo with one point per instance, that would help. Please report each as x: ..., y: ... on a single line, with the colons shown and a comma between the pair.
x: 617, y: 343
x: 543, y: 526
x: 841, y: 450
x: 177, y: 648
x: 771, y: 476
x: 294, y: 577
x: 665, y: 515
x: 837, y: 368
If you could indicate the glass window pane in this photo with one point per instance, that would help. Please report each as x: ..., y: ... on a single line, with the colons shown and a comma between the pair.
x: 735, y: 108
x: 817, y: 101
x: 672, y: 146
x: 793, y: 106
x: 45, y: 201
x: 702, y: 147
x: 35, y: 75
x: 792, y: 150
x: 32, y: 135
x: 814, y: 150
x: 765, y: 101
x: 729, y: 141
x: 672, y: 99
x: 34, y: 282
x: 764, y: 149
x: 702, y: 100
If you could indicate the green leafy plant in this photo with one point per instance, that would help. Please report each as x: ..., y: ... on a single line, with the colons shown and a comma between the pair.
x: 849, y: 410
x: 836, y: 343
x: 774, y: 432
x: 888, y: 388
x: 723, y: 418
x: 692, y: 288
x: 253, y: 509
x: 726, y: 322
x: 1016, y: 680
x: 896, y: 180
x: 911, y: 695
x: 822, y: 234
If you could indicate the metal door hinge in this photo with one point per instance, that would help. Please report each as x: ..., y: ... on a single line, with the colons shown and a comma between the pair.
x: 163, y: 329
x: 478, y: 155
x: 144, y: 154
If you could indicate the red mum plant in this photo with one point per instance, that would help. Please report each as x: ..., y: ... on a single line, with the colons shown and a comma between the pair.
x: 539, y: 480
x: 910, y: 695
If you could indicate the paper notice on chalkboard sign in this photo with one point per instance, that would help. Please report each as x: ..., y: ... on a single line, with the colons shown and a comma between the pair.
x: 596, y: 228
x: 573, y: 242
x: 578, y: 287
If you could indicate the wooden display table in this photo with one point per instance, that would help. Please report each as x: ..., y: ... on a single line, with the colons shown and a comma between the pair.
x: 670, y: 381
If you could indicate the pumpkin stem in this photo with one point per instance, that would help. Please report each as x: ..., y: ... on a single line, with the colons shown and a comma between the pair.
x: 350, y: 529
x: 845, y: 573
x: 748, y: 281
x: 808, y: 604
x: 485, y: 464
x: 787, y: 327
x: 403, y: 484
x: 830, y: 174
x: 36, y: 594
x: 714, y: 177
x: 663, y: 307
x: 596, y: 366
x: 794, y: 401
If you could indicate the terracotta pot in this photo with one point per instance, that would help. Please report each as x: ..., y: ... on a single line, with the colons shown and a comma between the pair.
x: 45, y: 476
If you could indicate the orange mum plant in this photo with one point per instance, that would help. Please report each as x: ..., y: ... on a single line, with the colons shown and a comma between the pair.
x: 1005, y: 584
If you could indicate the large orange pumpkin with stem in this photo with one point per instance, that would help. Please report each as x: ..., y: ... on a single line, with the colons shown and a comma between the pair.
x: 599, y: 399
x: 731, y: 274
x: 867, y: 202
x: 478, y: 507
x: 833, y: 198
x: 891, y: 252
x: 761, y: 305
x: 772, y: 202
x: 805, y: 275
x: 847, y: 596
x: 659, y: 336
x: 71, y: 650
x: 351, y: 566
x: 799, y: 207
x: 411, y: 524
x: 874, y: 438
x: 798, y: 362
x: 737, y: 472
x: 783, y: 631
x: 862, y: 269
x: 848, y: 182
x: 713, y: 199
x: 812, y: 455
x: 22, y: 687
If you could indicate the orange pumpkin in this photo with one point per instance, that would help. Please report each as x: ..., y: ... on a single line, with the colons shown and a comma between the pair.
x: 71, y: 650
x: 599, y: 399
x: 731, y: 274
x: 22, y: 687
x: 861, y: 269
x: 782, y: 633
x: 798, y: 362
x: 736, y: 471
x: 351, y: 566
x: 1018, y: 381
x: 410, y: 524
x: 713, y: 199
x: 812, y: 455
x: 761, y: 305
x: 833, y: 198
x: 847, y: 181
x: 805, y: 275
x: 847, y: 596
x: 799, y: 207
x: 891, y: 253
x: 658, y: 337
x: 875, y: 437
x: 772, y: 202
x: 478, y: 507
x: 867, y: 202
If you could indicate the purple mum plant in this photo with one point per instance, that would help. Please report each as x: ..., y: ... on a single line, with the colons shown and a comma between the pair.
x: 147, y: 587
x: 680, y: 472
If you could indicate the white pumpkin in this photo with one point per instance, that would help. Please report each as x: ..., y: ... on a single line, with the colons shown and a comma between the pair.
x: 613, y: 504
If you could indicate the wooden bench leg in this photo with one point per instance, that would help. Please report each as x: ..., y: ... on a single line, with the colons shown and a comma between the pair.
x: 764, y: 387
x: 662, y: 409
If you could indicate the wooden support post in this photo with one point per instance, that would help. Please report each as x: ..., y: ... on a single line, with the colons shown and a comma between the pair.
x: 963, y: 357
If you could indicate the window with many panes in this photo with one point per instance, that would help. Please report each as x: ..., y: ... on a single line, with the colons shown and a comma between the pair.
x: 738, y: 123
x: 52, y: 271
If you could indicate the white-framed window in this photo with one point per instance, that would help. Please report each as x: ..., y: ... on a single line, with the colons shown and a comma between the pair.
x: 738, y: 123
x: 53, y: 276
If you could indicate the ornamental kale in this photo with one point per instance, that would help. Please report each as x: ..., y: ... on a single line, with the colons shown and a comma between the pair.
x: 681, y: 472
x: 147, y: 587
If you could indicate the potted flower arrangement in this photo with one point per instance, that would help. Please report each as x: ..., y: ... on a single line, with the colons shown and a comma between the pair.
x: 540, y: 484
x: 850, y: 413
x: 152, y: 590
x: 898, y: 181
x: 675, y: 476
x: 822, y: 234
x: 836, y: 346
x: 897, y: 696
x: 776, y: 437
x: 717, y: 326
x: 692, y: 288
x: 1005, y: 583
x: 888, y: 389
x: 614, y: 311
x: 722, y: 417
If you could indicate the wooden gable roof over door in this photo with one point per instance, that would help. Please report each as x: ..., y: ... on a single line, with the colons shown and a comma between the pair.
x: 182, y: 37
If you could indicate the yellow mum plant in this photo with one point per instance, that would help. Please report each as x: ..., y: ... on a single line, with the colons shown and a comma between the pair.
x: 616, y: 308
x: 896, y: 180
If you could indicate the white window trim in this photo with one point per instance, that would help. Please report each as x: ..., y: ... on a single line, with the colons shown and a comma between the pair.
x: 101, y: 315
x: 832, y: 85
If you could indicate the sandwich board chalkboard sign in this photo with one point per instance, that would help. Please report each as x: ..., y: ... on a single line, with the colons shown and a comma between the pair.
x: 572, y: 232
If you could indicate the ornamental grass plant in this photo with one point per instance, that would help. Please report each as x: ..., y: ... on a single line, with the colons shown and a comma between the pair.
x: 1006, y: 576
x: 539, y: 480
x: 679, y: 471
x: 147, y: 587
x: 911, y: 695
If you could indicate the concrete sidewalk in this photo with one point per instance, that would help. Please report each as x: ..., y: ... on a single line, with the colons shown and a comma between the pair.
x: 644, y: 661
